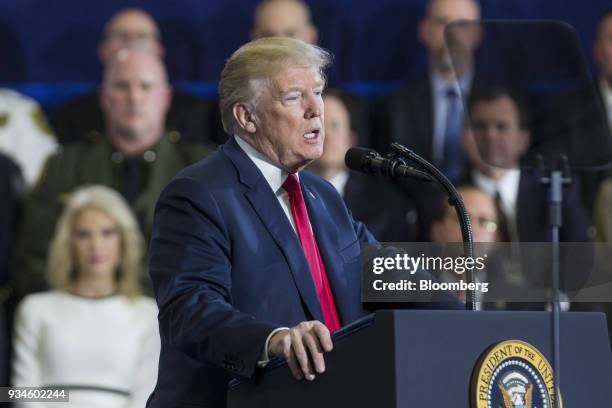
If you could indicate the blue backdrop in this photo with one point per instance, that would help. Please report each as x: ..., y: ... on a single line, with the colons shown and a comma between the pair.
x: 373, y: 40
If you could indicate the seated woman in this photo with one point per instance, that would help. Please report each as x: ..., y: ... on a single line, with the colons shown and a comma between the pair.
x: 93, y: 334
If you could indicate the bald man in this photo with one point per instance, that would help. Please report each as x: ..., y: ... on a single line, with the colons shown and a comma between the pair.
x: 284, y: 18
x: 135, y: 156
x: 188, y: 117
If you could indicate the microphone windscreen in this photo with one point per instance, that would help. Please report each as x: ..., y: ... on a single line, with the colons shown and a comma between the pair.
x: 355, y: 158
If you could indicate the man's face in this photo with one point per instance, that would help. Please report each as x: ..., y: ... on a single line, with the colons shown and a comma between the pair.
x: 602, y: 49
x: 495, y: 136
x: 338, y: 134
x: 289, y: 118
x: 135, y: 95
x: 284, y: 19
x: 483, y: 215
x: 431, y: 28
x: 131, y: 29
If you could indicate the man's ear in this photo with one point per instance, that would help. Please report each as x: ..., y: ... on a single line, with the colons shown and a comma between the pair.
x: 525, y: 141
x: 354, y: 138
x: 423, y: 31
x: 244, y: 117
x: 313, y: 34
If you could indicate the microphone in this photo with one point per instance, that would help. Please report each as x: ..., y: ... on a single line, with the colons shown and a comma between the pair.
x: 369, y: 161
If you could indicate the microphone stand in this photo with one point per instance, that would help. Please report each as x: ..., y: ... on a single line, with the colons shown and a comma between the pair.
x: 455, y: 200
x: 555, y: 180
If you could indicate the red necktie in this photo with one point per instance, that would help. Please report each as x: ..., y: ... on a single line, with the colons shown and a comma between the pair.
x: 311, y: 250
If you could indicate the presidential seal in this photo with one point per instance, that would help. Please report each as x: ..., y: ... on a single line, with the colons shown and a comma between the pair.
x: 513, y: 374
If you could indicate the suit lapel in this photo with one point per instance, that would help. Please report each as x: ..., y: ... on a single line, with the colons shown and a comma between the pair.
x: 326, y: 235
x: 266, y: 205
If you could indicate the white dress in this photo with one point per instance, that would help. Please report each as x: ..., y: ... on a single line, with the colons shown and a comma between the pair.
x: 107, y: 349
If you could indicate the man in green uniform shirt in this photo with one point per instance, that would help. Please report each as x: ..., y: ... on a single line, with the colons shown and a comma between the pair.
x: 135, y: 157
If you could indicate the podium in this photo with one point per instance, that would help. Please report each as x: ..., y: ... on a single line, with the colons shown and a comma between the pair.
x: 422, y: 358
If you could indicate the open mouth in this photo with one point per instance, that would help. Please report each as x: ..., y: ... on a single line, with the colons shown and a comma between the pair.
x: 313, y: 134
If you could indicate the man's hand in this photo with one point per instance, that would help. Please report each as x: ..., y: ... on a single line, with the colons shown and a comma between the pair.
x: 298, y: 343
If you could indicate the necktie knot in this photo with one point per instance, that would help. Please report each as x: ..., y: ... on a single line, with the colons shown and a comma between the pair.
x: 292, y: 184
x: 451, y: 93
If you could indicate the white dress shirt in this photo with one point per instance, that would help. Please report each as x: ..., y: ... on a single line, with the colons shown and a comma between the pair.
x: 339, y: 181
x: 274, y: 175
x: 507, y: 186
x: 606, y: 95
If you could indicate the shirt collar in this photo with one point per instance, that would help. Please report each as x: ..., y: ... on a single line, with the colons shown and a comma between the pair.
x: 274, y: 175
x: 606, y: 92
x: 339, y: 181
x: 507, y: 185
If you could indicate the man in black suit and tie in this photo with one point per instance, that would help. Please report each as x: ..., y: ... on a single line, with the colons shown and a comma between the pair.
x: 426, y: 115
x: 388, y: 213
x: 495, y: 140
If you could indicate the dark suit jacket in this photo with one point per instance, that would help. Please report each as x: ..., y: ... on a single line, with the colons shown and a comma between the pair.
x: 389, y: 214
x: 532, y: 212
x: 11, y: 189
x: 406, y: 117
x: 228, y: 268
x: 189, y: 117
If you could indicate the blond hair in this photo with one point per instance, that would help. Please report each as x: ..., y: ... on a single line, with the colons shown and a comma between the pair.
x: 61, y: 266
x: 258, y: 61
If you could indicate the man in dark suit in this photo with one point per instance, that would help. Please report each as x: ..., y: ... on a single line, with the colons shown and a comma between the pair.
x: 11, y: 191
x: 250, y: 256
x: 496, y: 140
x: 426, y: 115
x: 388, y: 213
x: 189, y: 117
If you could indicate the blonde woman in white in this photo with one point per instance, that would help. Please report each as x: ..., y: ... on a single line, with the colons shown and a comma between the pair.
x: 93, y: 334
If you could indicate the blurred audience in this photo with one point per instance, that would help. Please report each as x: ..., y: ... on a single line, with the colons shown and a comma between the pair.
x: 484, y: 218
x: 135, y: 157
x: 426, y: 115
x: 93, y: 334
x: 25, y: 135
x: 189, y: 117
x: 284, y: 18
x: 602, y: 53
x: 388, y: 214
x: 495, y: 140
x: 483, y: 215
x: 603, y: 212
x: 11, y: 190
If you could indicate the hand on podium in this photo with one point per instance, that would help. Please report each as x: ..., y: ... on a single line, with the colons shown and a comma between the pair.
x: 297, y: 344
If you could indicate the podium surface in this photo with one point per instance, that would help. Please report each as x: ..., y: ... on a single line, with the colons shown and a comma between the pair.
x: 421, y: 358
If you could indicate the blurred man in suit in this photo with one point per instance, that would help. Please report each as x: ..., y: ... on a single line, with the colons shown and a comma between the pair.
x: 189, y: 117
x: 495, y: 141
x: 135, y: 156
x: 11, y: 191
x: 262, y: 259
x: 602, y: 53
x: 426, y: 115
x: 390, y: 215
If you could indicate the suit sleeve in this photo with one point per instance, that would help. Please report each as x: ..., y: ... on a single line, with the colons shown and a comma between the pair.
x: 42, y: 207
x: 190, y: 266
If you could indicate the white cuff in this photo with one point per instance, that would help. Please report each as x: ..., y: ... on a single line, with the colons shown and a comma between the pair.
x: 264, y: 359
